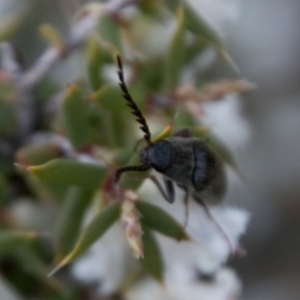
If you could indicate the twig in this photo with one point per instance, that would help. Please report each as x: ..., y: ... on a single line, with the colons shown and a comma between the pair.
x: 9, y: 62
x: 24, y: 113
x: 26, y: 81
x: 87, y: 21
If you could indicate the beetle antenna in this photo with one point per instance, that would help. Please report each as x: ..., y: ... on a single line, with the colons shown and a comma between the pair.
x: 135, y: 110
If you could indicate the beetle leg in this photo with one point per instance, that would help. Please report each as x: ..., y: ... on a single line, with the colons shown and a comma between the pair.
x: 170, y: 189
x: 185, y: 203
x: 186, y: 206
x: 169, y: 194
x: 221, y: 230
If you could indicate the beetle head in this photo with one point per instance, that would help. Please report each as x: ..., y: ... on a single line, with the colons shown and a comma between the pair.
x: 158, y: 155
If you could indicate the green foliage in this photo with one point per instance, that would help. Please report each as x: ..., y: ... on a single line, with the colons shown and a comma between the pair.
x: 156, y: 219
x: 175, y: 55
x: 98, y: 226
x: 113, y: 117
x: 69, y: 172
x: 152, y: 260
x: 71, y: 218
x: 76, y: 117
x: 95, y: 60
x: 10, y: 239
x: 67, y: 147
x: 7, y: 122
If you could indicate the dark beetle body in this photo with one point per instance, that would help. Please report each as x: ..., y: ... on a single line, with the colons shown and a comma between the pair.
x: 189, y: 162
x: 181, y: 158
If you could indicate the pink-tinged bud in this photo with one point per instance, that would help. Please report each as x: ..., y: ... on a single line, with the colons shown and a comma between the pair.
x: 131, y: 224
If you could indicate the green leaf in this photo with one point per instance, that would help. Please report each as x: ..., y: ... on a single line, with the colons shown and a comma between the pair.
x: 98, y: 226
x: 110, y: 100
x: 183, y: 119
x: 3, y: 190
x: 176, y: 54
x: 7, y: 114
x: 50, y: 34
x: 70, y: 172
x: 201, y: 28
x: 110, y: 32
x: 6, y: 167
x: 150, y: 78
x: 44, y: 191
x: 160, y: 221
x: 70, y: 219
x: 11, y: 239
x: 95, y: 61
x: 37, y: 154
x: 150, y: 8
x: 109, y: 97
x: 195, y: 49
x: 11, y: 23
x: 123, y: 156
x: 196, y: 24
x: 152, y: 261
x: 167, y: 132
x: 32, y: 264
x: 75, y: 116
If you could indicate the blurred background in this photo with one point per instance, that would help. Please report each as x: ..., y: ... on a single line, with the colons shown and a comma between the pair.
x: 264, y: 41
x: 265, y: 45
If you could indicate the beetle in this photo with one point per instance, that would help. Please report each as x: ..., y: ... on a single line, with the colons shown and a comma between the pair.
x: 188, y: 161
x: 181, y: 158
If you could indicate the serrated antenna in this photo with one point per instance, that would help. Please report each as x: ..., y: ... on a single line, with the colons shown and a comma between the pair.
x: 134, y: 109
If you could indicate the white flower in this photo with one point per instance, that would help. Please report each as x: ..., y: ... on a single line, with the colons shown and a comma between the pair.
x: 210, y: 249
x: 225, y: 286
x: 107, y: 262
x: 7, y: 292
x: 225, y: 120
